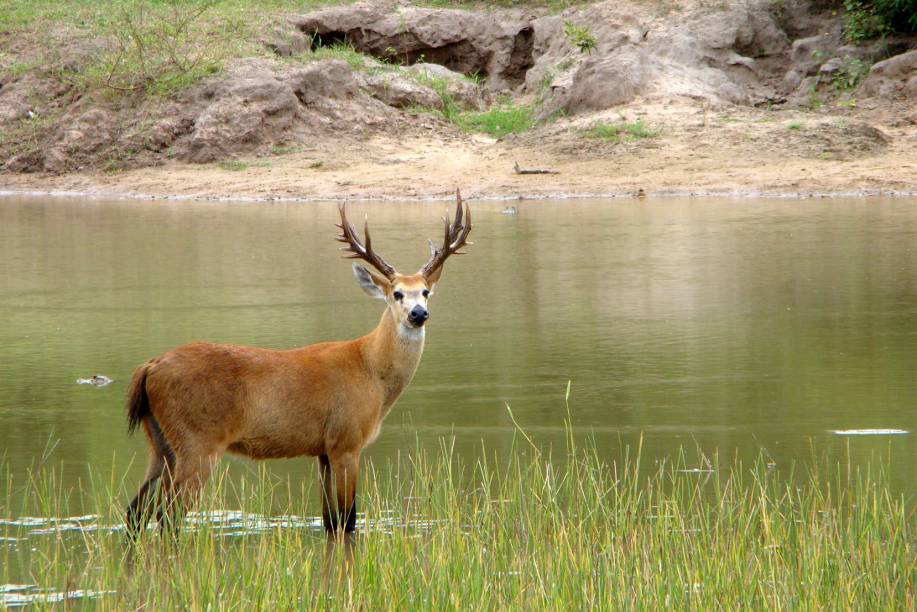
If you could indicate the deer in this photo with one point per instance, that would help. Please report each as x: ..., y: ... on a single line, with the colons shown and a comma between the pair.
x: 326, y: 400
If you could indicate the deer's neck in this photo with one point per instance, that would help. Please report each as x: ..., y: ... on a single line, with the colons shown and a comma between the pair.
x: 392, y: 353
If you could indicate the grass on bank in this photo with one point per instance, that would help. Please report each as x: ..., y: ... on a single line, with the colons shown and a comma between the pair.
x: 616, y: 132
x: 529, y: 529
x: 161, y: 47
x: 503, y: 118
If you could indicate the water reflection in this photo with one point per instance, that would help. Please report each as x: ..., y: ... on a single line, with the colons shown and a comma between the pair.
x: 716, y: 325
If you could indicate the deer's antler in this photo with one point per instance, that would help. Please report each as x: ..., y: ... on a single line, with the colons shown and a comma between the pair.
x: 357, y: 249
x: 455, y: 238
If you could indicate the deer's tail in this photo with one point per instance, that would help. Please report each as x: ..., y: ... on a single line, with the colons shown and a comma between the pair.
x: 138, y: 404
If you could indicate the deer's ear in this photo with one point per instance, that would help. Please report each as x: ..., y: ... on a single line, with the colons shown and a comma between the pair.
x: 433, y: 277
x: 374, y: 286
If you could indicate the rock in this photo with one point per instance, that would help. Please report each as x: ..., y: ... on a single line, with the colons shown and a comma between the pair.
x: 910, y: 88
x: 808, y: 56
x: 831, y: 66
x: 30, y: 161
x: 253, y: 105
x: 897, y: 67
x: 802, y: 96
x: 466, y: 93
x: 602, y: 82
x: 400, y: 92
x: 287, y: 42
x: 498, y: 48
x: 892, y: 77
x: 812, y: 49
x: 721, y: 57
x: 80, y: 137
x: 328, y: 79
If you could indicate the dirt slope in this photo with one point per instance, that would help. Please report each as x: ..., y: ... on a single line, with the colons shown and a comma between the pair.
x: 728, y: 97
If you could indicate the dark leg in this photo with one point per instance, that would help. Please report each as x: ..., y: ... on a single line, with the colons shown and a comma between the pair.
x: 329, y: 517
x: 351, y: 524
x: 141, y: 507
x: 346, y: 471
x: 162, y: 461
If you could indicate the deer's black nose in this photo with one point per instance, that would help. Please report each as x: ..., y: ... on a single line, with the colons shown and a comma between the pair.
x: 418, y: 315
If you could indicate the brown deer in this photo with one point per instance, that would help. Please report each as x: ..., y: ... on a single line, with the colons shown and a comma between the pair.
x: 327, y: 400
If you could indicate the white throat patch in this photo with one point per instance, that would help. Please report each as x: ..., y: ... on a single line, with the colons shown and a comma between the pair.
x: 411, y: 334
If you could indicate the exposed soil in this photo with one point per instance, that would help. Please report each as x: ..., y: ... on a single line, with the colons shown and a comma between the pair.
x: 736, y: 98
x: 735, y: 151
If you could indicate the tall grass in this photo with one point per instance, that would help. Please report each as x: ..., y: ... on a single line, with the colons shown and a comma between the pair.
x: 530, y: 529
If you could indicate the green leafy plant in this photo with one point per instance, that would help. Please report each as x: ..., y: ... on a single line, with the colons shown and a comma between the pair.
x: 580, y: 37
x: 866, y: 19
x: 849, y: 74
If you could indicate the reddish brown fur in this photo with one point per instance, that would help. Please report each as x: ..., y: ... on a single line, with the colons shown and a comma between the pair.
x: 328, y: 400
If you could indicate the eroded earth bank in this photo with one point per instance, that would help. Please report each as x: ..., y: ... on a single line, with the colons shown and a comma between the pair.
x: 383, y: 101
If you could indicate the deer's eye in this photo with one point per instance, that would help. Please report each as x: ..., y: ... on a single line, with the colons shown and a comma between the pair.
x: 398, y: 295
x: 426, y: 292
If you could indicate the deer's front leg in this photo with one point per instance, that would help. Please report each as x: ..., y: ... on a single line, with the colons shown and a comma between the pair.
x: 346, y: 469
x: 329, y: 516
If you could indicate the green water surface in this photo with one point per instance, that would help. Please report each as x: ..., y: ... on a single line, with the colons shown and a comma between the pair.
x: 737, y: 326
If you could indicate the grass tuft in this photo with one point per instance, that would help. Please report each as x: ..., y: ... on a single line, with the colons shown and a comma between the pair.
x: 236, y: 165
x: 615, y: 132
x: 501, y: 120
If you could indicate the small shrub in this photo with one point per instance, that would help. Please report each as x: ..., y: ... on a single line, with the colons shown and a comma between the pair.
x: 579, y: 36
x: 849, y: 75
x: 160, y: 46
x: 866, y: 19
x: 794, y: 125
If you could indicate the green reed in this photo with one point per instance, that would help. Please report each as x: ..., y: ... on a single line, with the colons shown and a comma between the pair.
x: 529, y: 528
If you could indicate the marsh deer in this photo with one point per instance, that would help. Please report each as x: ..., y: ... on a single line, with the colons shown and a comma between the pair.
x: 327, y: 400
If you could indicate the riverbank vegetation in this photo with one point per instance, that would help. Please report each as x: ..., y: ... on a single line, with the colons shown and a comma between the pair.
x: 564, y: 528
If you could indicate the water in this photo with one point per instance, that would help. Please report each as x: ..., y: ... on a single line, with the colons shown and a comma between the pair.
x: 737, y: 326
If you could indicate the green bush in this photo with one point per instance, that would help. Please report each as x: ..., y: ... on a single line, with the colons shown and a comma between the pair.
x: 865, y: 19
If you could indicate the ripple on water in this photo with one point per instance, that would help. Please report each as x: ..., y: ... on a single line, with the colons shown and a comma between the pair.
x: 19, y: 595
x: 869, y: 432
x: 224, y: 523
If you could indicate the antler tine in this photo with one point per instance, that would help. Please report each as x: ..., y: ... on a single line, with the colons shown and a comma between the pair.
x: 357, y: 249
x: 456, y: 235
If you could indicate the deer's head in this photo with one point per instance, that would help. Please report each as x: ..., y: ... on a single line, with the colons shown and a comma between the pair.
x: 406, y: 295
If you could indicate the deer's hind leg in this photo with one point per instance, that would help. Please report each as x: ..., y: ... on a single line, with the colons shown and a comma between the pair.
x: 183, y: 486
x: 162, y: 459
